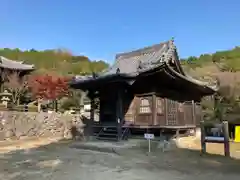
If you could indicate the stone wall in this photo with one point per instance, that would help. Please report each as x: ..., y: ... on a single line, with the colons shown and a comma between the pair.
x: 18, y: 125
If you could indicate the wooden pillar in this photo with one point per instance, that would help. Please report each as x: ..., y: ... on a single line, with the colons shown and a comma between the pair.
x: 203, y: 135
x: 193, y: 112
x: 166, y: 111
x: 154, y: 109
x: 226, y: 139
x: 91, y: 121
x: 119, y: 113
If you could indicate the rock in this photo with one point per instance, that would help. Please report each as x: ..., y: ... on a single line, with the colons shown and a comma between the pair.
x: 30, y: 124
x: 67, y: 134
x: 2, y: 135
x: 1, y: 126
x: 167, y: 145
x: 23, y: 137
x: 9, y: 134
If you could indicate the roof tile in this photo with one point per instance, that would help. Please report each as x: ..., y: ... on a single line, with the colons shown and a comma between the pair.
x: 10, y: 64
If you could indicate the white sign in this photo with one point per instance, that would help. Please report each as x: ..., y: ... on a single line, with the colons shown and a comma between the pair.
x: 148, y: 136
x: 212, y: 138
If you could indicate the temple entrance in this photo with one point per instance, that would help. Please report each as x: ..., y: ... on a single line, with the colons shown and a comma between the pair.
x: 108, y: 109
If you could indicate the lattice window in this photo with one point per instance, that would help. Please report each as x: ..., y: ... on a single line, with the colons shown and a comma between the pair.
x: 160, y: 106
x: 144, y: 106
x: 172, y: 113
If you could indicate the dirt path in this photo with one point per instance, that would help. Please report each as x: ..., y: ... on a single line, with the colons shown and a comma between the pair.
x: 59, y: 161
x: 212, y: 148
x: 8, y: 146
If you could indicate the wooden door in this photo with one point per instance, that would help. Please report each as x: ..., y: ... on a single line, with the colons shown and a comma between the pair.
x: 160, y: 111
x: 108, y: 109
x: 144, y: 111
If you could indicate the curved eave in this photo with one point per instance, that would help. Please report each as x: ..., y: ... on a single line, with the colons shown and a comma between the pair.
x: 94, y: 83
x: 207, y: 89
x: 18, y: 68
x: 15, y: 65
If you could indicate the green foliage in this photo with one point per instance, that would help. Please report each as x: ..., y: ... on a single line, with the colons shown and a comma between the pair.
x: 68, y: 103
x: 226, y: 100
x: 230, y: 60
x: 58, y: 61
x: 74, y: 100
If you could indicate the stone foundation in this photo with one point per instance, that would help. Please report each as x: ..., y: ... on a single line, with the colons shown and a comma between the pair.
x: 18, y: 125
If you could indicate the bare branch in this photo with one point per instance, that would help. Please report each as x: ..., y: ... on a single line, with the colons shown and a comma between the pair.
x: 15, y: 85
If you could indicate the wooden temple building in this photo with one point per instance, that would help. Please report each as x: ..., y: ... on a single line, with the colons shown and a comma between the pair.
x: 144, y: 89
x: 8, y: 66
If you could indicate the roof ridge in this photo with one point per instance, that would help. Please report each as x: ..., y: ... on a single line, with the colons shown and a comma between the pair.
x: 10, y: 61
x: 11, y: 64
x: 141, y: 51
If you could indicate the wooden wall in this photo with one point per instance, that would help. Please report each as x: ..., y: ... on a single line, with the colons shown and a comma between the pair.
x: 160, y: 112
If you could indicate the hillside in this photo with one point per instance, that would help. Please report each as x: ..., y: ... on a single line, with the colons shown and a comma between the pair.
x: 223, y: 61
x: 222, y: 65
x: 63, y: 62
x: 58, y: 61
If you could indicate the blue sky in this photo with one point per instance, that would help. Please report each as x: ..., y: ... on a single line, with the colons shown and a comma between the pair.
x: 100, y: 29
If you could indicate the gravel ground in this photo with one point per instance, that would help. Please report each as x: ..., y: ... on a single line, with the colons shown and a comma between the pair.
x: 59, y: 161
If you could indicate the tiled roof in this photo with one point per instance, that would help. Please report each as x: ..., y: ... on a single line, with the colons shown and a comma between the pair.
x: 142, y: 60
x: 139, y: 60
x: 10, y: 64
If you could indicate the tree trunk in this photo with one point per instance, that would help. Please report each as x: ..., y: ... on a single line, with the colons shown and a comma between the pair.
x: 39, y: 104
x: 18, y: 101
x: 56, y: 105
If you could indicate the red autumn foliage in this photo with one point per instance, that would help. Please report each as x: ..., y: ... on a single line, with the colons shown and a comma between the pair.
x: 49, y: 87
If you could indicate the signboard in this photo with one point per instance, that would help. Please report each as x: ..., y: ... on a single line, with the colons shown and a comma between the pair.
x: 214, y: 138
x: 148, y: 136
x: 237, y: 134
x: 215, y: 133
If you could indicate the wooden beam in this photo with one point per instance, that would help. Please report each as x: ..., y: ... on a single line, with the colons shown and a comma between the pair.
x: 166, y: 111
x: 154, y: 109
x: 194, y: 112
x: 226, y: 139
x: 119, y: 113
x: 91, y: 123
x: 203, y: 136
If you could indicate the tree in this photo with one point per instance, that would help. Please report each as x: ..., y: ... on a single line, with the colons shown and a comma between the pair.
x: 49, y: 87
x: 15, y: 85
x: 61, y: 61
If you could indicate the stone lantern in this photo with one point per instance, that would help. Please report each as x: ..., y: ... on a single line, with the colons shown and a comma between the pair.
x: 5, y: 97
